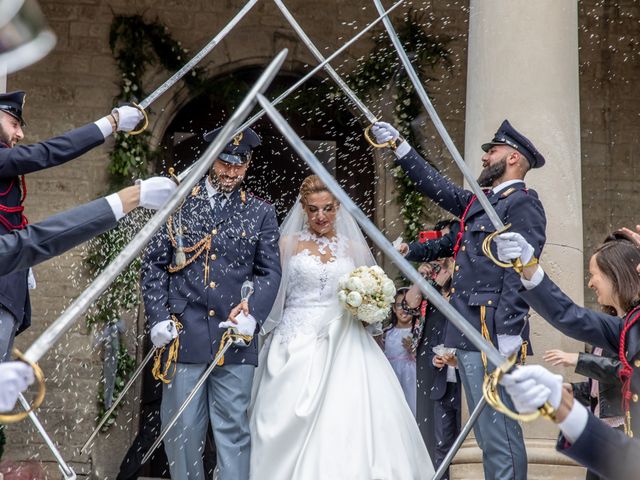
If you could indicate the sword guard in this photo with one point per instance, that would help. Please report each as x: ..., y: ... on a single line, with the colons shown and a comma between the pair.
x: 146, y: 120
x: 492, y: 394
x: 367, y: 135
x: 16, y: 417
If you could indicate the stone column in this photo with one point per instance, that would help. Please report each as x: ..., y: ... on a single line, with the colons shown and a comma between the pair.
x: 523, y: 65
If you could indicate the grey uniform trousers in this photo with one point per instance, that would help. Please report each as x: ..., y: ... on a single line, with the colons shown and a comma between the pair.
x: 222, y: 400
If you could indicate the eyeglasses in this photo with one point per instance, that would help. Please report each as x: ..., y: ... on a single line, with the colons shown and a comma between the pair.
x: 404, y: 306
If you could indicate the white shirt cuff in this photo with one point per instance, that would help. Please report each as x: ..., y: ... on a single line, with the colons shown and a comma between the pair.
x: 508, y: 344
x: 402, y: 149
x: 575, y: 423
x: 536, y: 278
x: 116, y: 205
x: 105, y: 126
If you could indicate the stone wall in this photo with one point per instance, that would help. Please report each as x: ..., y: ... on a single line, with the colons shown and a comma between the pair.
x: 77, y: 82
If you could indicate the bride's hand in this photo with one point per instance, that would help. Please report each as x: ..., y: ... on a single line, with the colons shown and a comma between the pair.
x: 235, y: 311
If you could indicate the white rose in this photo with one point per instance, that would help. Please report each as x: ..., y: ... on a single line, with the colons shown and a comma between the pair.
x: 367, y: 313
x: 369, y: 284
x: 354, y: 299
x: 388, y: 288
x: 355, y: 284
x: 377, y: 269
x: 342, y: 296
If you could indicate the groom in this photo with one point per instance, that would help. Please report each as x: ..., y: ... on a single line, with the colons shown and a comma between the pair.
x: 192, y: 275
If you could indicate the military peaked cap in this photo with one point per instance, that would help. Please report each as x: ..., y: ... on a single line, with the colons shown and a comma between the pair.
x: 239, y: 149
x: 13, y: 104
x: 507, y: 135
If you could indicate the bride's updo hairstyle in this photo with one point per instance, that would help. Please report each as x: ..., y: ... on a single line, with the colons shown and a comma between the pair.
x: 310, y: 185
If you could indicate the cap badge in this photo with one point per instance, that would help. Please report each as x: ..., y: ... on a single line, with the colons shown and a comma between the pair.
x: 237, y: 139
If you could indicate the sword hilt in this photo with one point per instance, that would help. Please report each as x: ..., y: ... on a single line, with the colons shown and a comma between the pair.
x: 392, y: 144
x: 492, y: 395
x: 39, y: 375
x: 146, y: 120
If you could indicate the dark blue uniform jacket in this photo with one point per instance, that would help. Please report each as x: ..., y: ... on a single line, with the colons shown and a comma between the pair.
x: 477, y: 281
x: 244, y: 247
x: 20, y: 160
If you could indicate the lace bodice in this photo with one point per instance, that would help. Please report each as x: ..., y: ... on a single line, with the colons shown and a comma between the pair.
x: 312, y: 288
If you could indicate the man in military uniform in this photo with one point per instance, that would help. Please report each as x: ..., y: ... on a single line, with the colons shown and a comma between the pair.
x: 18, y: 160
x: 192, y: 274
x: 37, y: 242
x: 484, y: 293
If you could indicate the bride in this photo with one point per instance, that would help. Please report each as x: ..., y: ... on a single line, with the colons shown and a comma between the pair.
x: 326, y: 403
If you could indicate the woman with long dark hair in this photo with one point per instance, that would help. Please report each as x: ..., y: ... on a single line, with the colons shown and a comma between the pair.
x: 617, y: 284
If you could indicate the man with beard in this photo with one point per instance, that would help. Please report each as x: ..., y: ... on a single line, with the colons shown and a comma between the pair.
x: 191, y: 279
x: 15, y: 162
x: 484, y: 293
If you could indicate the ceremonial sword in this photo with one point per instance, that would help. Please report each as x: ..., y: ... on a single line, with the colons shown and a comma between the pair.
x: 422, y: 94
x: 53, y: 333
x: 328, y: 68
x: 480, y: 195
x: 190, y: 64
x: 245, y: 293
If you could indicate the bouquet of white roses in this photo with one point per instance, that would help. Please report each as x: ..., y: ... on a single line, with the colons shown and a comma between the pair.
x: 367, y: 293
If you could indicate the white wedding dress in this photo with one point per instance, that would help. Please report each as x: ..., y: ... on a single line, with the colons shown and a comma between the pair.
x: 326, y: 402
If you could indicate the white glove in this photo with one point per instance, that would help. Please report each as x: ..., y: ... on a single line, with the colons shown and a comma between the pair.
x: 512, y: 245
x: 155, y: 191
x: 15, y: 377
x: 128, y: 117
x: 508, y: 344
x: 384, y: 132
x: 246, y: 326
x: 531, y: 386
x: 163, y: 332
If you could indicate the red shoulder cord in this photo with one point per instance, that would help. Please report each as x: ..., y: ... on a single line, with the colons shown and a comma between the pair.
x: 461, y: 232
x: 626, y: 372
x: 19, y: 209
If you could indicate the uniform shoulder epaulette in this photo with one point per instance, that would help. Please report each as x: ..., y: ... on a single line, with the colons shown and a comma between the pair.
x: 508, y: 192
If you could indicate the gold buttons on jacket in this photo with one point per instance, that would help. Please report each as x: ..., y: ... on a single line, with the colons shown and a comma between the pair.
x: 243, y: 234
x: 490, y: 302
x: 457, y: 267
x: 466, y: 228
x: 636, y: 363
x: 213, y: 256
x: 214, y: 231
x: 212, y: 313
x: 464, y: 247
x: 453, y: 290
x: 212, y: 285
x: 481, y: 227
x: 634, y: 397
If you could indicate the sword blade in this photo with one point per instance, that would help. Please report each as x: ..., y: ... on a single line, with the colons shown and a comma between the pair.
x: 187, y: 401
x: 328, y: 68
x: 378, y: 238
x: 66, y: 470
x: 117, y: 401
x: 310, y: 74
x: 424, y: 98
x: 51, y: 335
x: 198, y: 57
